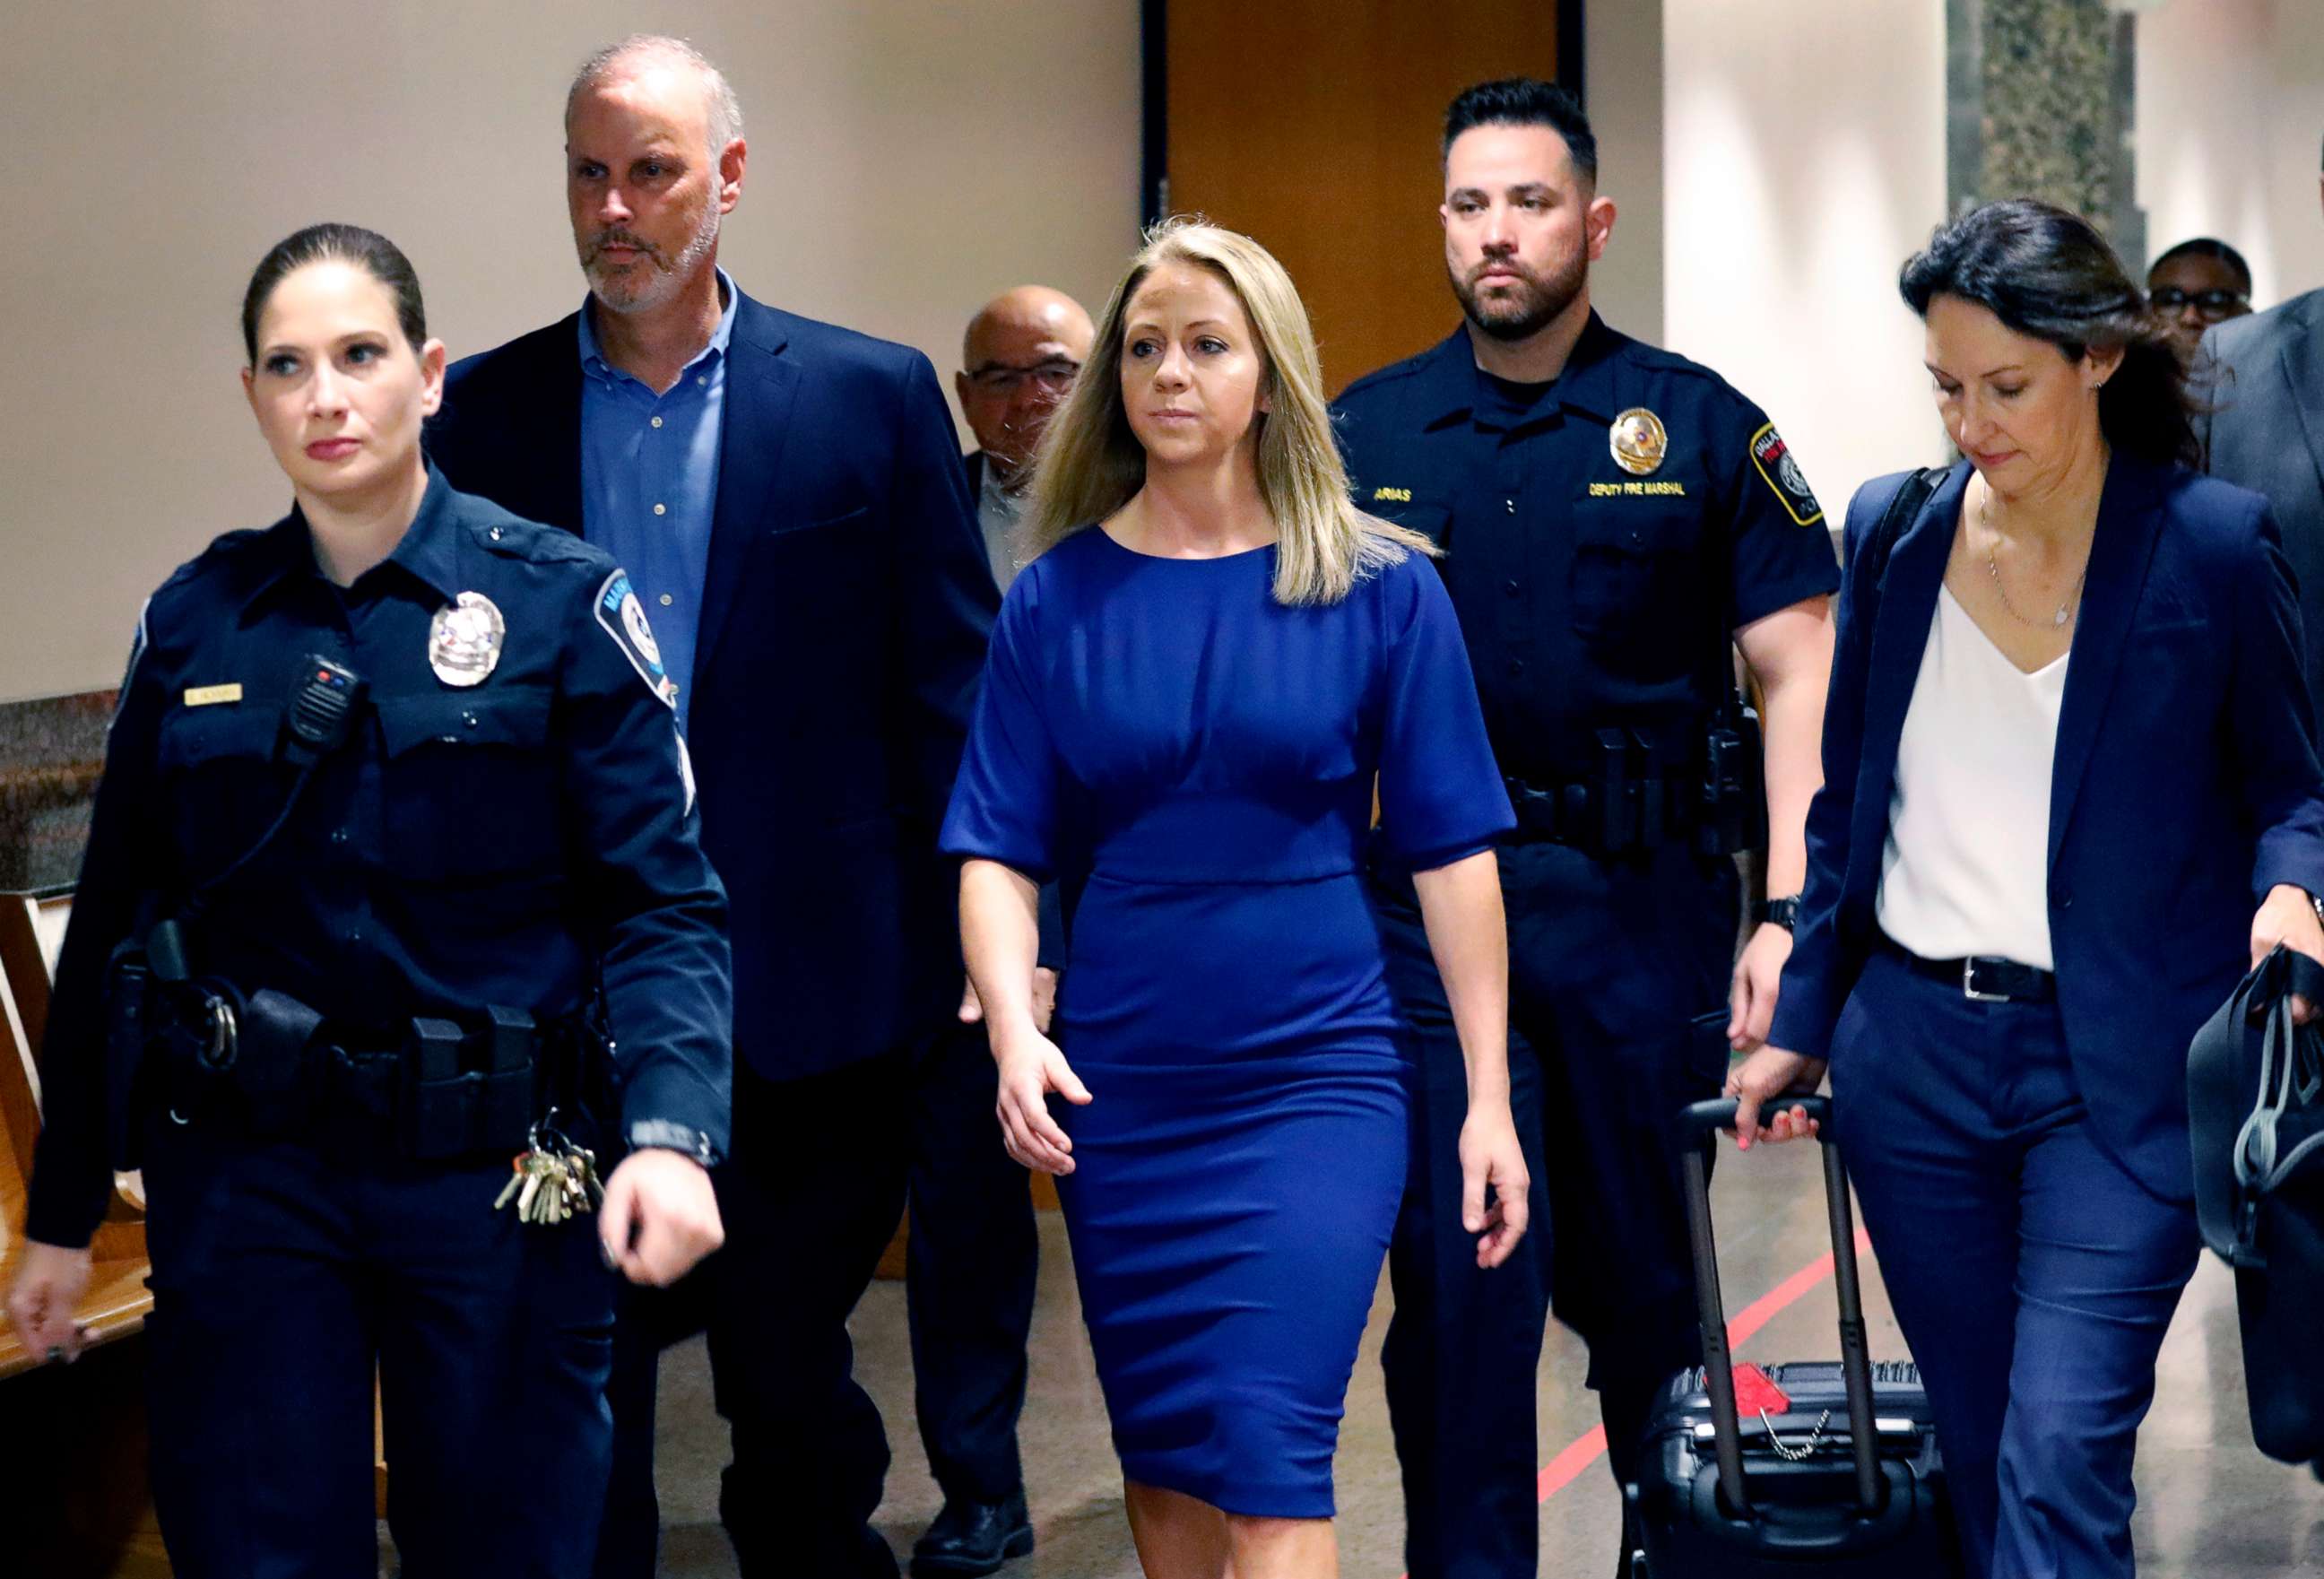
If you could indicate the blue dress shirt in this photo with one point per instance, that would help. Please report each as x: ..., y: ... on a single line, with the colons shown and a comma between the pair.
x: 649, y: 482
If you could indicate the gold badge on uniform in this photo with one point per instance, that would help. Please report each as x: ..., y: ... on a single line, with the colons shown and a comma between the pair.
x: 464, y: 639
x: 1638, y: 441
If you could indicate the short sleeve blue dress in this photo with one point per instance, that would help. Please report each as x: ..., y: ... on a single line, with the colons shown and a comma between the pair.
x: 1197, y: 761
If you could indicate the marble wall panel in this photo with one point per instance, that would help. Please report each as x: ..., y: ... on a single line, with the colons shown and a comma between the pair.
x: 51, y: 753
x: 2040, y: 104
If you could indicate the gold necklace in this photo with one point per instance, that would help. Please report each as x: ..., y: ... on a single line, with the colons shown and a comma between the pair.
x: 2067, y: 609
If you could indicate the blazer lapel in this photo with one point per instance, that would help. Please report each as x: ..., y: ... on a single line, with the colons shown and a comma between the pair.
x: 2130, y: 513
x: 559, y: 435
x: 2303, y: 364
x: 1900, y: 636
x: 761, y: 388
x: 544, y: 432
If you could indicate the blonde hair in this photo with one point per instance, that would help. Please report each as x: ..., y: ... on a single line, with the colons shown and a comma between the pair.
x: 1090, y: 463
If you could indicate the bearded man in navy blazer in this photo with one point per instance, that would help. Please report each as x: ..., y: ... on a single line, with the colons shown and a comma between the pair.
x: 789, y: 502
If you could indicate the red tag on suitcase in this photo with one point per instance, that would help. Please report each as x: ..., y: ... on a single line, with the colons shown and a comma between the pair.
x: 1756, y: 1394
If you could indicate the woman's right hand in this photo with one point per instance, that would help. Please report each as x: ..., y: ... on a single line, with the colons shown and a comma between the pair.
x: 1031, y: 1068
x: 1490, y: 1155
x: 47, y: 1291
x: 1768, y: 1075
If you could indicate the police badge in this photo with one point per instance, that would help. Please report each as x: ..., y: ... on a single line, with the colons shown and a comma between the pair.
x: 464, y: 639
x: 1639, y: 441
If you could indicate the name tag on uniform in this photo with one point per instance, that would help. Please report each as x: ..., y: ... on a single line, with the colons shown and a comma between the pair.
x: 1659, y: 490
x: 210, y: 695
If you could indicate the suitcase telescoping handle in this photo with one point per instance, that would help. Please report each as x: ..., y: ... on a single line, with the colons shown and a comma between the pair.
x: 1698, y: 1123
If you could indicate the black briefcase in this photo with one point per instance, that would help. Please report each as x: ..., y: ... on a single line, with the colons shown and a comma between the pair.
x: 1803, y: 1490
x: 2256, y: 1107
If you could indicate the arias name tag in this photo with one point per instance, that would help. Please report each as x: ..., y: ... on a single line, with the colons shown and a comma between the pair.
x: 211, y: 696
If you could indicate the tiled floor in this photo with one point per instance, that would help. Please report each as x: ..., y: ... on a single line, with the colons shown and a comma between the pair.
x: 2212, y: 1507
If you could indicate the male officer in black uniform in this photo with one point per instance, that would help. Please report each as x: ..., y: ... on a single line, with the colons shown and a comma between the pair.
x: 1613, y: 517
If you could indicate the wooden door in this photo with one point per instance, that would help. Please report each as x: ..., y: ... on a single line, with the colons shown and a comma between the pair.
x: 1314, y: 127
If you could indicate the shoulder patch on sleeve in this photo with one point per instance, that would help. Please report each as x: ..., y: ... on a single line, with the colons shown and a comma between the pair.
x: 622, y: 613
x: 1780, y: 470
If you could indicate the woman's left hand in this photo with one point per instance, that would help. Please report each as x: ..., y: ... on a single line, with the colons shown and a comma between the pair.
x: 2288, y: 916
x: 1490, y: 1155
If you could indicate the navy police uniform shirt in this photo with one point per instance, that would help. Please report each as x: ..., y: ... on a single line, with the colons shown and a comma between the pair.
x: 1603, y: 534
x: 512, y: 840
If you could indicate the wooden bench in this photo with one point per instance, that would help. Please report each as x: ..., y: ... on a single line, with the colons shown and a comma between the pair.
x: 117, y: 1300
x: 90, y: 1421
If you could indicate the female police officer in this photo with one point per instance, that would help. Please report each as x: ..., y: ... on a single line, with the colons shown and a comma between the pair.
x: 392, y: 875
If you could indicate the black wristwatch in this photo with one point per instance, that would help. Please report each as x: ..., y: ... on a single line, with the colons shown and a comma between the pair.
x: 1784, y: 912
x: 662, y: 1135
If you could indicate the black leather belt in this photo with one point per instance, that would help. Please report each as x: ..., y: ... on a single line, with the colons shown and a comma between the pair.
x: 1980, y: 978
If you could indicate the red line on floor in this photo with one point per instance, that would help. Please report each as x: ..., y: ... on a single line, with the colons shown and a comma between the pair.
x: 1586, y: 1449
x: 1579, y: 1456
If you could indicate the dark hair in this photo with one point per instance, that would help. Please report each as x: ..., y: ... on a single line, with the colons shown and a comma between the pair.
x: 2206, y: 246
x: 2049, y: 273
x: 1526, y: 101
x: 368, y: 250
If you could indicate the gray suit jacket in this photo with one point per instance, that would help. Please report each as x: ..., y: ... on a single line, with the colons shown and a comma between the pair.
x: 2267, y: 434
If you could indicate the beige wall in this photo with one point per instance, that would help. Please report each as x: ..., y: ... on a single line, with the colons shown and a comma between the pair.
x: 1622, y: 63
x: 1804, y: 160
x: 2230, y: 114
x: 909, y: 158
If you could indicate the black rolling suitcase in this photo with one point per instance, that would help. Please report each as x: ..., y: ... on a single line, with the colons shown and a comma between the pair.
x: 1803, y: 1490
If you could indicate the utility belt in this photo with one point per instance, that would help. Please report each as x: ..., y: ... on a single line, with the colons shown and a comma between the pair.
x: 1712, y: 798
x: 431, y: 1089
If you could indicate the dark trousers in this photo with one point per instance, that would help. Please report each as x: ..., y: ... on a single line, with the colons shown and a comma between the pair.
x: 1612, y: 968
x: 284, y: 1275
x: 2033, y: 1279
x: 821, y: 1171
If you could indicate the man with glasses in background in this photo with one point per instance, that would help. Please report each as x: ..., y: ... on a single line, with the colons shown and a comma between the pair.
x: 2199, y: 283
x: 1017, y: 360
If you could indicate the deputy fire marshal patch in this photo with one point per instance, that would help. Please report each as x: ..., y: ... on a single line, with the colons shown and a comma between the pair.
x: 623, y: 615
x: 1782, y: 471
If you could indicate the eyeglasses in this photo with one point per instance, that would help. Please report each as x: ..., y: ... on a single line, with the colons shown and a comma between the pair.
x: 1054, y: 377
x: 2171, y: 299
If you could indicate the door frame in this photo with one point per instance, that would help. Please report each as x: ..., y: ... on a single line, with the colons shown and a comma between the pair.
x: 1154, y: 87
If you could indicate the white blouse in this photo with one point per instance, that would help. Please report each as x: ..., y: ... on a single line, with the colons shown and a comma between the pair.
x: 1966, y: 871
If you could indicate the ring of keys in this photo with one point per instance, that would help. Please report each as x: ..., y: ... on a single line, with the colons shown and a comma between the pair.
x: 551, y: 1180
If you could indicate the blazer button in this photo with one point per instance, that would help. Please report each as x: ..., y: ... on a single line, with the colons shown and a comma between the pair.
x: 2065, y: 901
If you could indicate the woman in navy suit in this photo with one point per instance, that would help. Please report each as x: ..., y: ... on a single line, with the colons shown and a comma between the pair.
x: 2071, y: 794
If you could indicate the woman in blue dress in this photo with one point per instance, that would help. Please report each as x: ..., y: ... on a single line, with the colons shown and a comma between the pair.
x: 1193, y: 689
